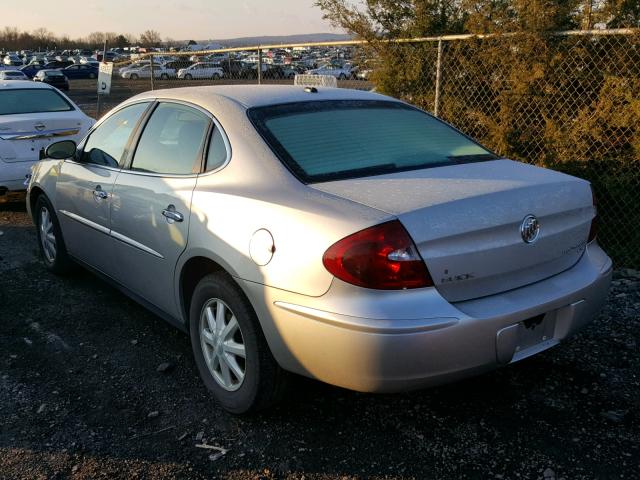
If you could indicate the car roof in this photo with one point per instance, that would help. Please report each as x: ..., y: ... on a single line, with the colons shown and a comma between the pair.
x: 249, y: 96
x: 22, y: 84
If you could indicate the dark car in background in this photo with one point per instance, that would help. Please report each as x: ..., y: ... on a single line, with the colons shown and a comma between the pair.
x: 58, y: 64
x: 234, y: 68
x: 32, y: 69
x: 85, y: 70
x: 54, y: 78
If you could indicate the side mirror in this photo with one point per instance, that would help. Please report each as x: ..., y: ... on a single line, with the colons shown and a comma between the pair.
x: 61, y: 150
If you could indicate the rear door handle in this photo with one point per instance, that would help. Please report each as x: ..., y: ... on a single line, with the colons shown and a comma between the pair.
x: 171, y: 214
x: 99, y: 193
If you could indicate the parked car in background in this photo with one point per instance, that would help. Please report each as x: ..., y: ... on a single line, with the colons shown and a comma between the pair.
x: 340, y: 72
x: 57, y: 64
x: 137, y: 65
x: 32, y: 115
x: 12, y: 60
x: 81, y: 71
x: 109, y: 56
x: 201, y: 70
x: 54, y: 78
x: 144, y: 71
x: 31, y: 69
x: 351, y: 238
x: 178, y: 64
x: 12, y: 75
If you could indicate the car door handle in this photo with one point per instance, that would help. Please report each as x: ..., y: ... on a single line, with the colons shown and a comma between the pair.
x: 98, y: 193
x: 171, y: 214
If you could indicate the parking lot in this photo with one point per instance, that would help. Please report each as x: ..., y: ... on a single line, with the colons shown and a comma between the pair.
x: 94, y: 386
x: 83, y: 92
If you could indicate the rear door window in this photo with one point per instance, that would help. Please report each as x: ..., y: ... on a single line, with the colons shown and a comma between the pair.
x: 172, y: 141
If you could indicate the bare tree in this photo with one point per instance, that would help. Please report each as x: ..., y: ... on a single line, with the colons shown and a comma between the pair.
x: 150, y: 38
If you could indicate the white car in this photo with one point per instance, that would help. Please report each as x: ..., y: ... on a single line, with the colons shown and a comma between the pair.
x: 144, y: 71
x: 33, y: 115
x: 12, y: 75
x: 137, y: 65
x: 341, y: 73
x: 201, y: 70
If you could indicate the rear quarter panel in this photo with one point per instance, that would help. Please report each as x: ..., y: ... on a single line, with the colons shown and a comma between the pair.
x: 255, y: 191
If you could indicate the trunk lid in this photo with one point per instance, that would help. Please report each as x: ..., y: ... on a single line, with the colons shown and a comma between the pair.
x: 466, y: 221
x: 23, y: 136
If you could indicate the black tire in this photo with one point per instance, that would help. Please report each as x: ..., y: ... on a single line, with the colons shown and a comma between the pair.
x: 164, y: 76
x: 92, y: 76
x: 134, y: 76
x: 61, y: 264
x: 264, y: 381
x: 215, y: 76
x: 342, y: 77
x: 188, y: 76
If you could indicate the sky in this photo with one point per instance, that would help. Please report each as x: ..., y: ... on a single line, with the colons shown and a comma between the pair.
x: 177, y: 19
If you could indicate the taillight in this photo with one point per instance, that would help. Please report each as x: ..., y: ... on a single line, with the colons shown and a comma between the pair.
x: 593, y: 231
x: 381, y: 257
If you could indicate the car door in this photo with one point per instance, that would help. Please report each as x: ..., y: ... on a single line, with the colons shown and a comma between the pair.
x: 72, y: 71
x: 84, y: 185
x: 152, y: 201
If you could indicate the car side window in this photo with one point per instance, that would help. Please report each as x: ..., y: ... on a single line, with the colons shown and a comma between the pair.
x: 172, y: 141
x: 217, y: 153
x: 106, y: 144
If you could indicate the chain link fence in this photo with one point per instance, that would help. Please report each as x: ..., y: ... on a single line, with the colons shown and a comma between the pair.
x: 568, y: 100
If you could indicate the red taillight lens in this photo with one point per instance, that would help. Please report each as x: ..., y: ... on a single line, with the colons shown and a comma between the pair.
x: 382, y: 257
x: 593, y: 231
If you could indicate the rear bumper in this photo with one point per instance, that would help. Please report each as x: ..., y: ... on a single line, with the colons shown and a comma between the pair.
x: 382, y: 342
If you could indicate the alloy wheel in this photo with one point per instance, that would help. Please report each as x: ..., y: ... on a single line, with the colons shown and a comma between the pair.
x: 222, y: 344
x: 47, y: 237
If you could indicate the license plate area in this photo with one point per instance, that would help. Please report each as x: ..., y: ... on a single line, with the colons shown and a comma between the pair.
x: 526, y: 338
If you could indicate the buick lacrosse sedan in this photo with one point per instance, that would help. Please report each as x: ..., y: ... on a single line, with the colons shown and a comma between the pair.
x: 337, y: 234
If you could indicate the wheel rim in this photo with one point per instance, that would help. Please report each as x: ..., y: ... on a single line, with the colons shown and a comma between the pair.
x: 47, y: 237
x: 222, y: 344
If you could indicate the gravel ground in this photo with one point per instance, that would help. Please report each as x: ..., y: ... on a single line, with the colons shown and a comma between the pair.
x: 82, y: 396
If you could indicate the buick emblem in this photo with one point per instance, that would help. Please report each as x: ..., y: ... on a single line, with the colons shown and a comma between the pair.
x: 39, y: 127
x: 530, y: 229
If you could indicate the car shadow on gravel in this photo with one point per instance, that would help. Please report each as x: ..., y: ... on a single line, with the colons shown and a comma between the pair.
x: 91, y: 384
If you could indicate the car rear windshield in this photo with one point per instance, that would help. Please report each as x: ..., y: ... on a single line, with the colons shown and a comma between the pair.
x: 32, y: 100
x: 335, y: 140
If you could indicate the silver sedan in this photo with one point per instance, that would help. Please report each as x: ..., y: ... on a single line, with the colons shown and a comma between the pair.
x: 337, y: 234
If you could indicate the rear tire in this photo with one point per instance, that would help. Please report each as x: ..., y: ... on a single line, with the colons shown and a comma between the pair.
x: 164, y: 76
x: 52, y: 248
x: 217, y: 298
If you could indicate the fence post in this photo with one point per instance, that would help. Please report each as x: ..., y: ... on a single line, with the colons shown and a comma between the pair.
x: 436, y: 101
x: 151, y: 68
x: 259, y: 66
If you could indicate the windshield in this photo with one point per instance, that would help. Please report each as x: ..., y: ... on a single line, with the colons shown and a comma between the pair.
x: 32, y: 100
x: 336, y: 140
